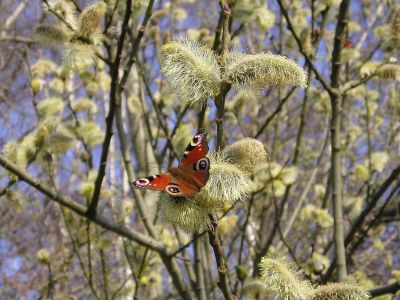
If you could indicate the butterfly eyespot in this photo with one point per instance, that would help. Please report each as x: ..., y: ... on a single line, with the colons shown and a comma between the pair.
x: 202, y: 164
x: 142, y: 182
x: 172, y: 189
x: 197, y: 140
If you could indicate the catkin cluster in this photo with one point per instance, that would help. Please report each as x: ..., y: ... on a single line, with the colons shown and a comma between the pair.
x: 282, y: 278
x: 77, y: 35
x: 197, y: 74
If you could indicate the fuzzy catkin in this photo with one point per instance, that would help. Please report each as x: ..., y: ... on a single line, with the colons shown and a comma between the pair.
x: 89, y: 20
x: 346, y: 290
x: 246, y: 153
x: 389, y: 71
x: 191, y: 70
x: 50, y: 35
x: 185, y: 213
x: 226, y: 184
x: 249, y: 72
x: 78, y: 56
x: 282, y: 277
x: 50, y: 106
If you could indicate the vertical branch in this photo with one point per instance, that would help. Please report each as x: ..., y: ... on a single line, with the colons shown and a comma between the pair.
x: 213, y: 237
x: 335, y: 142
x: 243, y: 236
x: 104, y: 273
x: 201, y: 291
x: 170, y: 264
x: 114, y: 96
x: 224, y: 88
x: 215, y: 243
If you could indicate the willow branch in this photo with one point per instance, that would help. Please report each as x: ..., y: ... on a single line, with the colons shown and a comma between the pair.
x: 200, y: 289
x: 336, y: 166
x: 114, y: 95
x: 99, y: 219
x: 383, y: 290
x: 135, y: 44
x: 213, y: 237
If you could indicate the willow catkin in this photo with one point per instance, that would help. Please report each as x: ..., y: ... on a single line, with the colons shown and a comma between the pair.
x: 50, y: 35
x: 191, y: 70
x: 347, y: 290
x: 248, y: 72
x: 184, y: 213
x: 389, y: 71
x: 282, y: 277
x: 50, y: 106
x: 227, y: 183
x: 89, y: 20
x: 246, y: 153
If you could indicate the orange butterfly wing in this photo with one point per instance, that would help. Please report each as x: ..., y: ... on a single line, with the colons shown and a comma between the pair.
x: 196, y: 150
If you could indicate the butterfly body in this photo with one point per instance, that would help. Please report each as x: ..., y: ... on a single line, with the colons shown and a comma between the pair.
x: 189, y: 177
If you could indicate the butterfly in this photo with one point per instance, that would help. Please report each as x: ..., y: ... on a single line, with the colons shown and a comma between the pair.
x: 189, y: 177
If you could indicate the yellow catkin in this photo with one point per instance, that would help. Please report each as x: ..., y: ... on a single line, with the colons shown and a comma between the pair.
x: 191, y: 70
x: 185, y: 213
x: 246, y: 153
x: 282, y: 277
x: 89, y: 20
x: 258, y: 71
x: 50, y: 35
x: 389, y: 71
x: 347, y: 290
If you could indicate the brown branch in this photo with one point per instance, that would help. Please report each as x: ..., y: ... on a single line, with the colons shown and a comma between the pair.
x: 353, y: 84
x: 276, y: 111
x: 215, y: 243
x: 200, y: 288
x: 383, y: 290
x: 114, y: 97
x: 170, y: 264
x: 214, y: 239
x: 135, y: 44
x: 80, y: 209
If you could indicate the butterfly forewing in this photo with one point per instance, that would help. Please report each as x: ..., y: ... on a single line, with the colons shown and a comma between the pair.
x: 154, y: 182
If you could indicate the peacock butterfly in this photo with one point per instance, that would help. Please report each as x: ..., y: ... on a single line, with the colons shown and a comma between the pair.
x: 190, y: 175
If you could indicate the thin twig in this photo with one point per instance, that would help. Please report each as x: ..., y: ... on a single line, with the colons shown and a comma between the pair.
x: 320, y: 78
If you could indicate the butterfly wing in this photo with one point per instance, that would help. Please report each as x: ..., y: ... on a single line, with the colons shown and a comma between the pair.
x: 196, y: 150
